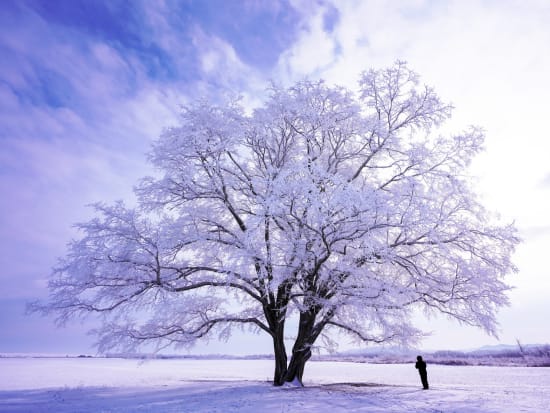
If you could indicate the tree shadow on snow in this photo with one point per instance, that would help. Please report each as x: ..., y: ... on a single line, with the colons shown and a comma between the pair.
x: 356, y: 384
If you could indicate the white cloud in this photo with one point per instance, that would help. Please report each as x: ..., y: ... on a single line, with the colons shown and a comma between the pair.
x: 313, y: 52
x: 224, y: 74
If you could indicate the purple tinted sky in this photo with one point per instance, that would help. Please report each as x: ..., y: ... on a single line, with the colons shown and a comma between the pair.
x: 86, y: 85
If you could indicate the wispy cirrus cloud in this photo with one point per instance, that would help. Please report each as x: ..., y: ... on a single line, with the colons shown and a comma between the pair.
x: 85, y: 87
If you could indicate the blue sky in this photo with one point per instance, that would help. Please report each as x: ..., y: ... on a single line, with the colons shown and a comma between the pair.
x: 85, y: 86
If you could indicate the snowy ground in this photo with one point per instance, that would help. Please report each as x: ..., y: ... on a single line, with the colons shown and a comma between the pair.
x: 116, y: 385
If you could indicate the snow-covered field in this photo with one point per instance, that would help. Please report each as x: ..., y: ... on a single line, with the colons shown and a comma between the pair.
x: 119, y: 385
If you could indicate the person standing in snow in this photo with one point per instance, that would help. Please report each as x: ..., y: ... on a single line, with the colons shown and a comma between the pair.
x: 421, y: 366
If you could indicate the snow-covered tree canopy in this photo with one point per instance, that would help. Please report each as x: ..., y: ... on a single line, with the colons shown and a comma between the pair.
x: 347, y: 208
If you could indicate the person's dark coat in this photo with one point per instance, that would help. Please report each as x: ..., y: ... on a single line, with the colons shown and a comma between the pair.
x: 421, y: 366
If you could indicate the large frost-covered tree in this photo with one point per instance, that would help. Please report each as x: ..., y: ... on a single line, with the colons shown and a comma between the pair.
x: 347, y: 210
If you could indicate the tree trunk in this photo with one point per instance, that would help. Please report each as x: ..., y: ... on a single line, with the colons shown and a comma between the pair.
x: 301, y: 351
x: 279, y: 351
x: 297, y: 364
x: 275, y: 314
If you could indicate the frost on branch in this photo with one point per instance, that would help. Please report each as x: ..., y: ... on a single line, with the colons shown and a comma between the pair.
x: 345, y: 208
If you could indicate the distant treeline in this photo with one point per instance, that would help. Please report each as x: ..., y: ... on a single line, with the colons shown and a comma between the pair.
x: 528, y: 356
x: 531, y: 356
x: 521, y: 355
x: 144, y: 356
